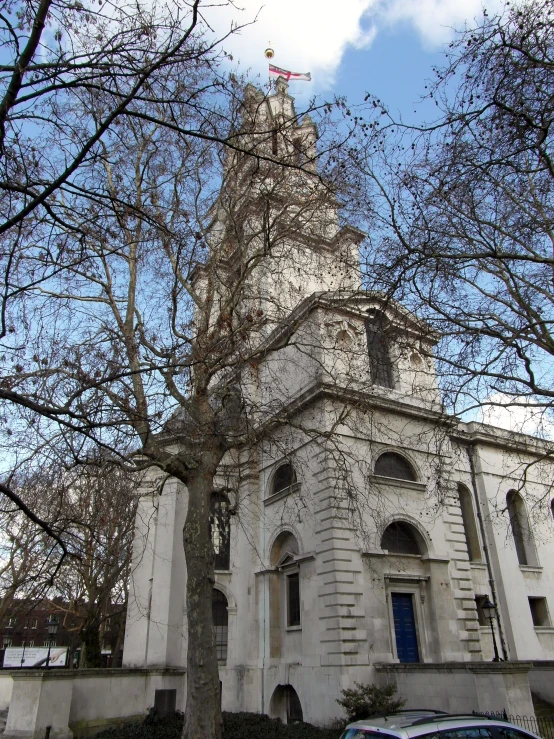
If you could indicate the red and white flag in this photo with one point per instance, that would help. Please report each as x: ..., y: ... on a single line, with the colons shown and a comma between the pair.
x: 299, y: 76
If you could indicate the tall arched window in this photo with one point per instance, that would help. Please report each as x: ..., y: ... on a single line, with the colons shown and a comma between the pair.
x: 401, y: 538
x: 220, y: 524
x: 221, y: 623
x: 380, y: 365
x: 391, y: 464
x: 470, y: 527
x: 285, y: 590
x: 521, y: 530
x: 283, y: 479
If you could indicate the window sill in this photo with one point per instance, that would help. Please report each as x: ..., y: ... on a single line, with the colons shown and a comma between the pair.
x: 544, y: 629
x: 478, y: 565
x: 282, y: 494
x: 295, y: 628
x: 420, y: 487
x: 531, y: 568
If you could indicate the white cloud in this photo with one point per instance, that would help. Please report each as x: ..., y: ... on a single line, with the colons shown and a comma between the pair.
x: 307, y: 35
x: 312, y: 35
x: 436, y: 19
x: 517, y: 414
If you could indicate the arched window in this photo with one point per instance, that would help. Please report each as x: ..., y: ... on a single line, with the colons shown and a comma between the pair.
x: 400, y: 538
x: 285, y: 704
x: 470, y: 527
x: 552, y: 507
x: 221, y: 623
x: 220, y: 525
x: 285, y: 544
x: 391, y: 464
x: 283, y: 479
x: 285, y: 590
x: 521, y: 531
x: 380, y: 365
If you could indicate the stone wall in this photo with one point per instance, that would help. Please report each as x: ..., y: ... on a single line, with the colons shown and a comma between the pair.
x: 80, y: 702
x: 463, y: 688
x: 541, y: 680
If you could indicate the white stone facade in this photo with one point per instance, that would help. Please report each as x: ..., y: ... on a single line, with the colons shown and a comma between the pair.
x: 363, y: 608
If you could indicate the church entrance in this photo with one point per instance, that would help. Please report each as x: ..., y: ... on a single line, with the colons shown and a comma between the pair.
x: 405, y: 627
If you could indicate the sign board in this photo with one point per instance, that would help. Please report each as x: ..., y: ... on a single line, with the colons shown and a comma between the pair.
x: 35, y: 656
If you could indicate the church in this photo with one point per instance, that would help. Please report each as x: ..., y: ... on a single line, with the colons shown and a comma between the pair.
x: 366, y: 536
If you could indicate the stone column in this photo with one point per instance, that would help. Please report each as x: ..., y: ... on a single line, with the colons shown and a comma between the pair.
x: 155, y: 630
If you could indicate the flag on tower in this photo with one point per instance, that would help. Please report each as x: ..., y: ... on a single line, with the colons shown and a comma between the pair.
x: 297, y: 76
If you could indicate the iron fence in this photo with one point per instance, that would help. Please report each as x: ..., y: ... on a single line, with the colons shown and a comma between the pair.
x: 541, y: 725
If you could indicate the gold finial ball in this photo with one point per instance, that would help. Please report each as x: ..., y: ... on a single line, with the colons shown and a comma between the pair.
x: 269, y: 53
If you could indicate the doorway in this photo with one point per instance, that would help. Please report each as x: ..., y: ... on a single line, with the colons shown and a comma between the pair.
x: 405, y: 627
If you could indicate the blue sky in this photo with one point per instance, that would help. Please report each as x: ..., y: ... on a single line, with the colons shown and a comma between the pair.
x: 386, y: 47
x: 394, y: 68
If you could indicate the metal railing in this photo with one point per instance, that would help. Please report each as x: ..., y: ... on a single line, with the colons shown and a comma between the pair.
x: 542, y: 725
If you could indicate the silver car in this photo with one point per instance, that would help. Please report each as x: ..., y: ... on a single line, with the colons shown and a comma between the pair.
x: 409, y: 724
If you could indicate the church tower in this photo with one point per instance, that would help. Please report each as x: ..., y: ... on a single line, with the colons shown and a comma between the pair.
x: 275, y: 226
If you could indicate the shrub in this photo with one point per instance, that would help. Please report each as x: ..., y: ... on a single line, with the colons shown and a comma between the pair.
x: 365, y: 700
x: 154, y: 726
x: 235, y: 726
x: 247, y: 725
x: 242, y: 725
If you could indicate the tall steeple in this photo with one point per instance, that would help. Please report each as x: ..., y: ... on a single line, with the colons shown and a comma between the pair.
x: 276, y: 219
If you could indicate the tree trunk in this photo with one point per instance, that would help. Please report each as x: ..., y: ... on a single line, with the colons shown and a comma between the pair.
x: 203, y: 709
x: 117, y: 637
x: 91, y: 654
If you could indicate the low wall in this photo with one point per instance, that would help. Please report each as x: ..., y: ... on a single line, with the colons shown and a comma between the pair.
x: 462, y: 687
x: 102, y: 697
x: 86, y: 700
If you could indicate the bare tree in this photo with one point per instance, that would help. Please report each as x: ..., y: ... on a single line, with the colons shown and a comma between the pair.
x: 462, y: 212
x: 56, y: 52
x: 92, y: 510
x: 99, y: 507
x: 26, y: 562
x: 113, y: 62
x: 146, y: 341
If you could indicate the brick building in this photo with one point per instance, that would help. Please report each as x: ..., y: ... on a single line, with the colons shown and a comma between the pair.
x: 27, y: 626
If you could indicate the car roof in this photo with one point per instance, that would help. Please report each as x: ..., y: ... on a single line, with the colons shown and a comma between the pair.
x: 398, y: 720
x: 414, y: 723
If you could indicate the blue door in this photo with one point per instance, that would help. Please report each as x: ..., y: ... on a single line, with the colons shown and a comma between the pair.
x: 404, y: 627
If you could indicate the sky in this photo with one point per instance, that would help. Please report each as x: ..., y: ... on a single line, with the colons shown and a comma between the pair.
x: 385, y: 47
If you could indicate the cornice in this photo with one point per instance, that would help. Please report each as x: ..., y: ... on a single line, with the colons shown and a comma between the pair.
x: 320, y: 389
x: 480, y: 433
